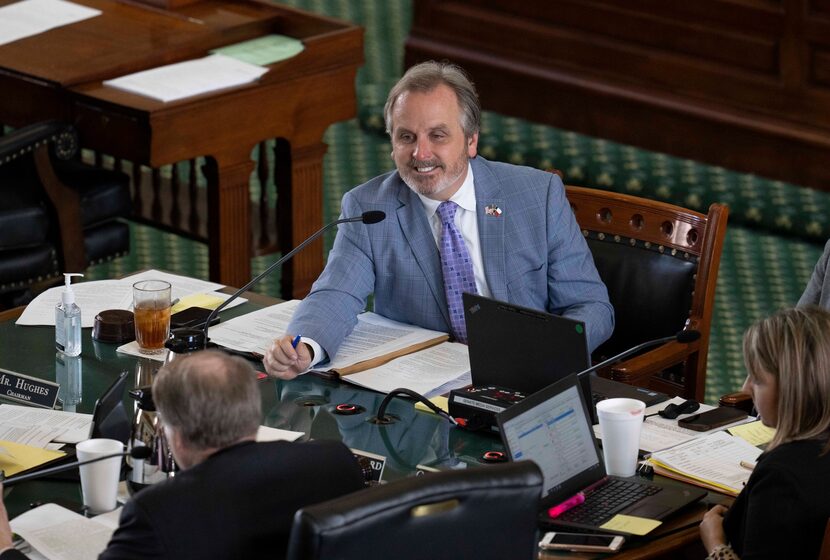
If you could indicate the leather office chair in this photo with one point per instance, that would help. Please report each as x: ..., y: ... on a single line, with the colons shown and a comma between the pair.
x: 57, y: 214
x: 660, y: 264
x: 487, y: 512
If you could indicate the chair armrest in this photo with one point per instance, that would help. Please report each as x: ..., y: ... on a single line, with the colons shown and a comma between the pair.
x: 23, y: 140
x: 654, y: 361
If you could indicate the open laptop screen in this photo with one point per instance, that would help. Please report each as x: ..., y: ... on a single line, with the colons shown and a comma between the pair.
x: 552, y: 429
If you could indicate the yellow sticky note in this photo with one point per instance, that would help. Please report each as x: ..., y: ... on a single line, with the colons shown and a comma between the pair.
x: 197, y: 300
x: 632, y: 524
x: 753, y: 432
x: 20, y: 457
x: 440, y: 402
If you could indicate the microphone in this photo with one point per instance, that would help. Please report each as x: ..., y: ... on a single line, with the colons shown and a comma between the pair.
x: 141, y: 452
x: 683, y: 337
x: 369, y: 217
x: 381, y: 417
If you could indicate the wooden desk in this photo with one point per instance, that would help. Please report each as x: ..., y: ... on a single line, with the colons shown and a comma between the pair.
x: 59, y: 74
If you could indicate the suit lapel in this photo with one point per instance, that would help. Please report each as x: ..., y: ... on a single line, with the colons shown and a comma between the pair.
x: 416, y: 229
x: 489, y: 206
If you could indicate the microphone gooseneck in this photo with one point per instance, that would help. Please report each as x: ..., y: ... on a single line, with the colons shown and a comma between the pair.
x: 381, y: 415
x: 141, y: 452
x: 368, y: 217
x: 684, y: 337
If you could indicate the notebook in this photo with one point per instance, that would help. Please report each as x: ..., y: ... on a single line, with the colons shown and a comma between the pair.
x: 552, y: 429
x: 551, y: 348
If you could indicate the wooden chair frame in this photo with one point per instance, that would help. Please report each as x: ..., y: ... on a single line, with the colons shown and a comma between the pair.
x: 669, y: 228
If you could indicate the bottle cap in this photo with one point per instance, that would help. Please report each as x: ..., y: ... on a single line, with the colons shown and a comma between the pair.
x: 68, y: 294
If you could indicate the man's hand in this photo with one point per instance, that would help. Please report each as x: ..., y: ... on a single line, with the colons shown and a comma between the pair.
x: 284, y: 361
x: 711, y: 528
x: 5, y: 529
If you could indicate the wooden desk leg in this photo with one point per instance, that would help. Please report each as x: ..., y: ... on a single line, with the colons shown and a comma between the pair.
x: 229, y: 226
x: 299, y: 178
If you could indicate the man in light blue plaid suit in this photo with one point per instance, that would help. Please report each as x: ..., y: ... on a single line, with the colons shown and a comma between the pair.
x: 521, y: 243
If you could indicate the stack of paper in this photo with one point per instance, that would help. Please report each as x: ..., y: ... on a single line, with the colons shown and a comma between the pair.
x: 16, y: 458
x: 30, y: 17
x: 94, y: 297
x: 379, y: 354
x: 59, y: 534
x: 193, y: 77
x: 713, y: 462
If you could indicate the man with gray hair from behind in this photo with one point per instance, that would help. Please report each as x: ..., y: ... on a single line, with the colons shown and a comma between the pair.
x: 235, y: 497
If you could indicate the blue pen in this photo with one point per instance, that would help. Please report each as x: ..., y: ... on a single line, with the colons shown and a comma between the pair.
x: 295, y: 342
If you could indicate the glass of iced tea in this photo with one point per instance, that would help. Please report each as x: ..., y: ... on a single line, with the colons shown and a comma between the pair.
x: 151, y: 306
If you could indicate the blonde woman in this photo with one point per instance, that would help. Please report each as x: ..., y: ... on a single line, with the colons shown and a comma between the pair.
x: 783, y: 510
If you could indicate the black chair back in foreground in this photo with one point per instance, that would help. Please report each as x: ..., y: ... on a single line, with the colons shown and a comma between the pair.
x: 487, y: 512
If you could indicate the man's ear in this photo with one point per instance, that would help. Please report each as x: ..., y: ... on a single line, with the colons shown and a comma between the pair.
x: 177, y: 445
x: 472, y: 145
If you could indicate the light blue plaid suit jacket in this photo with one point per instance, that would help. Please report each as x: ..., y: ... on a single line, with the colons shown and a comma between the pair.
x: 534, y: 255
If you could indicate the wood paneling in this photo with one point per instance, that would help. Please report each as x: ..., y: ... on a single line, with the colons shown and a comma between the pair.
x: 730, y: 82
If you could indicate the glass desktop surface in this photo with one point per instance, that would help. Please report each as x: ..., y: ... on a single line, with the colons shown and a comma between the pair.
x: 304, y: 404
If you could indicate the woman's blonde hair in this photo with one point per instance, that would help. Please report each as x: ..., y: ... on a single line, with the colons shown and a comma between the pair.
x: 793, y: 346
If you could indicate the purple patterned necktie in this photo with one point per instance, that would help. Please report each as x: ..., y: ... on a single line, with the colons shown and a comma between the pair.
x: 457, y: 267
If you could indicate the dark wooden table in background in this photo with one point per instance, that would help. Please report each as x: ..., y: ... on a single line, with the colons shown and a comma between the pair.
x: 59, y: 74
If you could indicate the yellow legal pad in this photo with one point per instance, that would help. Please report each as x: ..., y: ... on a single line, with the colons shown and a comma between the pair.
x: 197, y: 300
x: 440, y: 402
x: 753, y: 432
x: 17, y: 457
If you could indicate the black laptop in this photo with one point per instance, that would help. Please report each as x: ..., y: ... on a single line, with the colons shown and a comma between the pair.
x: 552, y: 429
x: 551, y: 348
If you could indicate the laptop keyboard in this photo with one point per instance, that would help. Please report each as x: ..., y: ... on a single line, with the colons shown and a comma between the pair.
x: 607, y: 500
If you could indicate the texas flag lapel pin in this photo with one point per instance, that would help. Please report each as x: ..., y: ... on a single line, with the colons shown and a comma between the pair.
x: 492, y: 210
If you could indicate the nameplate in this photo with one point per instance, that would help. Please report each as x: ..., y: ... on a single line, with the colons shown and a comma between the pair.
x: 377, y: 462
x: 28, y: 390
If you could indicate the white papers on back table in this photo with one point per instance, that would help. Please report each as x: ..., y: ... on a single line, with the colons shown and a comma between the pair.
x: 192, y: 77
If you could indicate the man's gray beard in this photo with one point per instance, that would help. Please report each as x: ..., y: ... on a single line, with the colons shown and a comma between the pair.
x: 438, y: 188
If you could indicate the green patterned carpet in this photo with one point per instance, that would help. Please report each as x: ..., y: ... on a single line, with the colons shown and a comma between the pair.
x: 775, y: 234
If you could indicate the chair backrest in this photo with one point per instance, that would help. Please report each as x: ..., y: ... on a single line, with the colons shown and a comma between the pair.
x: 659, y: 262
x: 487, y: 512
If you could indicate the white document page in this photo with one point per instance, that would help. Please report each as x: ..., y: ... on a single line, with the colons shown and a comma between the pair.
x: 255, y: 331
x: 99, y: 295
x: 375, y: 335
x: 60, y: 534
x: 185, y: 79
x: 421, y: 372
x: 91, y: 297
x: 37, y: 426
x: 714, y: 458
x: 180, y: 286
x: 30, y: 17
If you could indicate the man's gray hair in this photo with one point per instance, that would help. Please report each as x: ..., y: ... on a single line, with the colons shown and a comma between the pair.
x: 210, y: 398
x: 425, y: 77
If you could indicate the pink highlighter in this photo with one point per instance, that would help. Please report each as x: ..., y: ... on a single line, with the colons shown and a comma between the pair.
x: 572, y: 502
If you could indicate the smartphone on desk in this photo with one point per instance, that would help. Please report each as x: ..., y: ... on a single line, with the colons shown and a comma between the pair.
x: 581, y: 542
x: 712, y: 419
x: 192, y: 317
